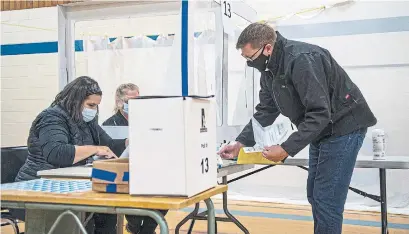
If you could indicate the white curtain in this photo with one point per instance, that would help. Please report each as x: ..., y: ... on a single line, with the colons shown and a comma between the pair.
x: 140, y: 60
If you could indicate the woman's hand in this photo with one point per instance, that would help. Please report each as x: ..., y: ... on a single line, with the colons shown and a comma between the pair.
x: 126, y: 142
x: 105, y: 152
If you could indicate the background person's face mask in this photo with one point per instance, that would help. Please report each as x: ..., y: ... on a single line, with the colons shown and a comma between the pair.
x: 126, y: 108
x: 88, y: 114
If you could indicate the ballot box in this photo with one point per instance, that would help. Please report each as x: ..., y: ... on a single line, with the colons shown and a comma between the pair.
x: 110, y: 176
x: 172, y: 146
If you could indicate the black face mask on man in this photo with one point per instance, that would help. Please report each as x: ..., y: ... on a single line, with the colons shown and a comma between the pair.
x: 260, y: 63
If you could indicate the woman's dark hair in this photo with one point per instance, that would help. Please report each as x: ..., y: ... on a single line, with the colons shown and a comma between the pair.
x: 74, y: 94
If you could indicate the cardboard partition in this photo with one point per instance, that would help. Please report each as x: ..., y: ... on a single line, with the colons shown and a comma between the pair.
x: 111, y: 171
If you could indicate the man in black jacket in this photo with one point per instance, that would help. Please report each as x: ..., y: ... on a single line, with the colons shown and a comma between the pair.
x: 304, y: 83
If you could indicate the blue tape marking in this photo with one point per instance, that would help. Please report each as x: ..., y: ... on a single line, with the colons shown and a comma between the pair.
x: 79, y: 45
x: 184, y: 46
x: 103, y: 175
x: 111, y: 188
x: 126, y: 176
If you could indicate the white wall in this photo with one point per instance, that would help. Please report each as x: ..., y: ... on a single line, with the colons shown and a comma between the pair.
x: 28, y: 82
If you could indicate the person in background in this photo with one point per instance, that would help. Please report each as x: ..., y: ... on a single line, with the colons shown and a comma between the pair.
x: 67, y: 134
x: 136, y: 224
x: 123, y: 93
x: 304, y: 83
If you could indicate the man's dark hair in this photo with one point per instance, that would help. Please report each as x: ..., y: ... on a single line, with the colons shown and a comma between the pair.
x: 258, y: 35
x: 74, y: 94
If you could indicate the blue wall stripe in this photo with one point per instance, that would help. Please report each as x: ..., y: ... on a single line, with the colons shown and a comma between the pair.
x: 30, y: 48
x: 49, y: 46
x: 343, y: 28
x: 355, y: 27
x: 184, y: 46
x: 354, y: 222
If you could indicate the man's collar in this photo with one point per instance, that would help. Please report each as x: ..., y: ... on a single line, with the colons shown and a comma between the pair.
x: 275, y: 57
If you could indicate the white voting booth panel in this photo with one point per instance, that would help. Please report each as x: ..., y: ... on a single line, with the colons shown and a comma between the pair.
x: 193, y: 61
x: 172, y: 146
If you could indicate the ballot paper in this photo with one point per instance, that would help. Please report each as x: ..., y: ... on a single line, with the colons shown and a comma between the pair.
x: 263, y: 136
x: 116, y: 132
x: 266, y: 136
x: 125, y: 154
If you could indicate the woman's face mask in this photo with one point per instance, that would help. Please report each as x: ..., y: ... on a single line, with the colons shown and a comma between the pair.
x: 90, y: 107
x: 88, y: 114
x: 126, y: 108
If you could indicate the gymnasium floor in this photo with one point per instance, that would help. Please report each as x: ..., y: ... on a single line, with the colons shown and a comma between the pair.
x: 270, y: 218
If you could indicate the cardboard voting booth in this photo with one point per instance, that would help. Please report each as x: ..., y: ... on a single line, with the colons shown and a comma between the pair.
x: 172, y: 146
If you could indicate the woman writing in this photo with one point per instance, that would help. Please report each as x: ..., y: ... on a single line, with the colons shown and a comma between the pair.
x: 67, y: 134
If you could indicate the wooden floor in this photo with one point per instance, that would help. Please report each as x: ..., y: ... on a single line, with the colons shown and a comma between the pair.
x: 270, y: 218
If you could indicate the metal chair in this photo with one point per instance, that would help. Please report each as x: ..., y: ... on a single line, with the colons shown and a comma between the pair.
x: 12, y: 159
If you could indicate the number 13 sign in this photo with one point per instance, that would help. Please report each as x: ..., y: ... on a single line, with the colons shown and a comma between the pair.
x: 227, y: 12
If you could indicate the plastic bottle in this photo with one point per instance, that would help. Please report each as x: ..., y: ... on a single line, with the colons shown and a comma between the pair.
x: 379, y: 144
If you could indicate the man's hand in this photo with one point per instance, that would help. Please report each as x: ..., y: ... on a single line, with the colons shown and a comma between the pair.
x: 230, y: 151
x: 275, y: 153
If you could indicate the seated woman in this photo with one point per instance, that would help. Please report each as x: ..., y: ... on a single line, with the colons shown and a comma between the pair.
x: 67, y: 134
x: 136, y: 224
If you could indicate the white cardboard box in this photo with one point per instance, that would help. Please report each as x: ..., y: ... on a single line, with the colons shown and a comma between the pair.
x: 172, y: 146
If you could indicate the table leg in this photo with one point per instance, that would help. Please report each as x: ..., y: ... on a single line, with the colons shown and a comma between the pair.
x: 190, y: 216
x: 194, y: 213
x: 120, y: 224
x: 39, y: 221
x: 155, y: 215
x: 384, y: 206
x: 211, y: 217
x: 59, y: 218
x: 227, y: 212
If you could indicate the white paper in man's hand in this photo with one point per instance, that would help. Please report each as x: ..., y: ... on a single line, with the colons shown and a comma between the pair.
x: 267, y: 136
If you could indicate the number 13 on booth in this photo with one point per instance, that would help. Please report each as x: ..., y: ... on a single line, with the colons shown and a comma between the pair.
x: 227, y: 13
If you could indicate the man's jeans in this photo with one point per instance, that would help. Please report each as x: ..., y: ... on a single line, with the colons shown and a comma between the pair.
x: 331, y: 164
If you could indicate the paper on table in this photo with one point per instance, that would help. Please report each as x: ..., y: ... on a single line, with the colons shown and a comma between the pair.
x: 125, y: 154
